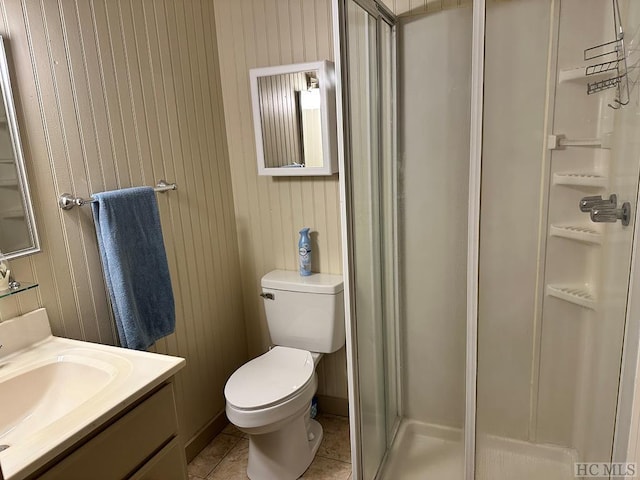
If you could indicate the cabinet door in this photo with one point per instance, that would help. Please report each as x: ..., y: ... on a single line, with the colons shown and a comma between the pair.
x: 168, y: 464
x: 125, y: 445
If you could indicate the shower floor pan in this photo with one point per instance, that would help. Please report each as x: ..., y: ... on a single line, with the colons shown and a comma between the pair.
x: 425, y: 452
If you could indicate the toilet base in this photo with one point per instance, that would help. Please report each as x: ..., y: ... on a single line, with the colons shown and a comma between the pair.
x: 286, y: 453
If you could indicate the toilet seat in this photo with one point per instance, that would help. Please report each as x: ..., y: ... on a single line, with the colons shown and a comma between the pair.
x: 270, y: 379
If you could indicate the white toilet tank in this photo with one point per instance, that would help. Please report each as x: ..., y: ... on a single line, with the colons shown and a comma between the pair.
x: 304, y: 312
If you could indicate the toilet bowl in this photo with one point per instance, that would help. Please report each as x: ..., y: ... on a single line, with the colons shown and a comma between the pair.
x: 269, y: 397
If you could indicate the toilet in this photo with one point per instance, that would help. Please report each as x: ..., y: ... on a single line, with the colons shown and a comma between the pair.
x: 269, y: 397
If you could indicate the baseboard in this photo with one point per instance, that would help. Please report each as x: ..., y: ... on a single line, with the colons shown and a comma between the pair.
x: 326, y: 404
x: 333, y: 405
x: 205, y: 435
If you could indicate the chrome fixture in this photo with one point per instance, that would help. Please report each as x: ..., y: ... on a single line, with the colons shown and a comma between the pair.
x: 68, y: 201
x: 13, y: 283
x: 606, y: 210
x: 268, y: 296
x: 611, y: 214
x: 588, y: 203
x: 611, y: 58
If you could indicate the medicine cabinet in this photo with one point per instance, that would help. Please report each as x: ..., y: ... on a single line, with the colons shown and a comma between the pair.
x: 294, y: 119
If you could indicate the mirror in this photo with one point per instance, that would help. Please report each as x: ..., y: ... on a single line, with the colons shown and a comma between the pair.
x: 294, y: 119
x: 18, y: 235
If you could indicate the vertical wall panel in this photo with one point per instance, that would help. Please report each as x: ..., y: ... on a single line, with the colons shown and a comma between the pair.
x: 112, y: 94
x: 434, y: 305
x: 511, y: 169
x: 269, y: 210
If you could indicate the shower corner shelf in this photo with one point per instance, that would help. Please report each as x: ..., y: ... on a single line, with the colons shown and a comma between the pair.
x: 610, y: 58
x: 580, y: 180
x: 578, y: 74
x: 576, y: 294
x: 577, y: 232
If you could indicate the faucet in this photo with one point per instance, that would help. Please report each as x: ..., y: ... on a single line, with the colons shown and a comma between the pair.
x: 13, y: 285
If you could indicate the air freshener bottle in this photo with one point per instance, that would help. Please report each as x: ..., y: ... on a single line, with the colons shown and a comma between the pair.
x: 4, y: 272
x: 304, y: 252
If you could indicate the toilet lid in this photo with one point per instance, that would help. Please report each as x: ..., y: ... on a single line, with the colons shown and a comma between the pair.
x: 270, y: 378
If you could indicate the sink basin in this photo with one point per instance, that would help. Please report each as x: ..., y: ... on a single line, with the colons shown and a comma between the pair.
x: 40, y: 394
x: 55, y: 391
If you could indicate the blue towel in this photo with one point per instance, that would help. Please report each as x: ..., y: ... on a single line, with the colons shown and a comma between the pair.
x: 135, y: 265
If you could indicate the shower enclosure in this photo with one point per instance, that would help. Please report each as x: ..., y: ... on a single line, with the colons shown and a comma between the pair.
x: 491, y: 156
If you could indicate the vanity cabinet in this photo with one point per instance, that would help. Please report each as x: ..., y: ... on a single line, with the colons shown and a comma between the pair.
x: 140, y: 443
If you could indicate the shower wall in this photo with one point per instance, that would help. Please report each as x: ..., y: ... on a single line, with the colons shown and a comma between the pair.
x: 581, y: 339
x: 552, y: 283
x: 517, y: 36
x: 434, y: 110
x: 529, y: 370
x: 435, y: 63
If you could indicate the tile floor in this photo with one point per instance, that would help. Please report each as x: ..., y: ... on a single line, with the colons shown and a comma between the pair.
x: 225, y: 458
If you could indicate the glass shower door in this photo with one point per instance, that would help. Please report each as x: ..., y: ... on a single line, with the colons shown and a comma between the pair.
x: 553, y: 276
x: 409, y: 233
x: 363, y: 87
x: 371, y: 170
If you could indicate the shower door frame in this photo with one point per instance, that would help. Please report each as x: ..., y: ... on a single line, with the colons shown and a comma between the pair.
x: 626, y: 439
x: 343, y: 116
x: 473, y: 234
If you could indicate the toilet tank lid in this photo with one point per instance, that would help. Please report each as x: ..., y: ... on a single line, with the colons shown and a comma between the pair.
x: 324, y: 283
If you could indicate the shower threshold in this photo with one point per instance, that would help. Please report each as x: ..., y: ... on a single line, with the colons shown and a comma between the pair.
x: 425, y: 451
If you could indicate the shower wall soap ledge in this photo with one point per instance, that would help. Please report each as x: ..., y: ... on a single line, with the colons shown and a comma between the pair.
x: 580, y: 179
x: 576, y: 294
x: 576, y: 232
